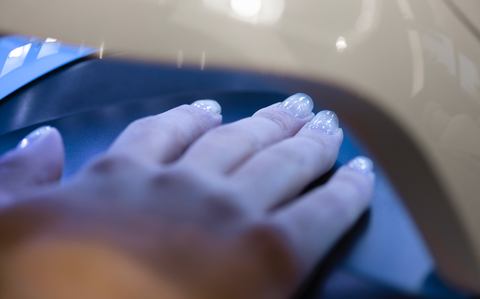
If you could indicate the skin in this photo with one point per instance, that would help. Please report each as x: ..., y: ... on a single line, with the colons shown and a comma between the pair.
x: 178, y: 207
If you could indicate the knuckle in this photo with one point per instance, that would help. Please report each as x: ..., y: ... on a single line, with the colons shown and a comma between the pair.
x: 319, y: 141
x: 11, y: 161
x: 227, y: 130
x: 356, y: 184
x: 198, y: 115
x: 277, y: 117
x: 172, y: 179
x: 338, y: 205
x: 112, y: 164
x: 161, y: 179
x: 212, y: 200
x: 221, y: 137
x: 12, y: 167
x: 326, y: 147
x: 224, y: 207
x: 142, y: 128
x: 142, y: 123
x: 295, y: 153
x: 18, y: 166
x: 175, y: 138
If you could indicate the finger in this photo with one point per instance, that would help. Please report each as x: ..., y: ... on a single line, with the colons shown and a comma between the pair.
x: 281, y: 171
x: 315, y: 222
x: 37, y: 160
x: 164, y: 137
x: 224, y: 148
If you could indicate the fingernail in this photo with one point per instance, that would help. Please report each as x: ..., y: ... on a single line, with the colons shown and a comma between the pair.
x: 34, y: 136
x: 361, y: 164
x: 208, y: 105
x: 300, y: 105
x: 325, y: 120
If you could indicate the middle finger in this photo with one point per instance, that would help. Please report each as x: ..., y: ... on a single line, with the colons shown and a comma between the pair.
x: 224, y: 148
x: 281, y: 171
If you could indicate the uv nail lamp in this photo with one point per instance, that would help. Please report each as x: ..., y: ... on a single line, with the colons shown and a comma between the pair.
x: 412, y: 66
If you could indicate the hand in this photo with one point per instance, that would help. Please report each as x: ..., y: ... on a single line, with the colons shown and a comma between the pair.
x: 180, y: 207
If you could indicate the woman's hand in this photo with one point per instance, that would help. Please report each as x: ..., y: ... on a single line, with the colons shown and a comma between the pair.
x: 180, y: 207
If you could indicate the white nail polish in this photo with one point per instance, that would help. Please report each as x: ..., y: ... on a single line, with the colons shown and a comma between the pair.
x: 300, y: 105
x: 361, y: 164
x: 326, y: 121
x: 33, y: 136
x: 208, y: 105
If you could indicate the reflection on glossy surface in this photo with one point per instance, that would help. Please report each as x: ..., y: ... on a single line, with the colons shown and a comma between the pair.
x: 203, y: 59
x: 246, y: 8
x: 251, y: 11
x: 15, y: 59
x: 50, y: 46
x: 418, y: 67
x: 442, y: 49
x: 469, y: 76
x: 16, y: 52
x: 341, y: 44
x: 25, y: 58
x: 102, y: 48
x: 406, y: 9
x: 180, y: 59
x: 367, y: 16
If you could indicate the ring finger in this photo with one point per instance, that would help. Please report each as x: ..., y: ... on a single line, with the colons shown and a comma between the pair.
x: 281, y: 171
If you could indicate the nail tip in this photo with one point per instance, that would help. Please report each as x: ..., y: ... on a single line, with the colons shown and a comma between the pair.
x: 34, y: 135
x: 208, y: 105
x: 361, y: 164
x: 326, y: 121
x: 299, y: 105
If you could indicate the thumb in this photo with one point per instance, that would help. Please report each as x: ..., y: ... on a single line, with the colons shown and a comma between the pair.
x: 37, y: 160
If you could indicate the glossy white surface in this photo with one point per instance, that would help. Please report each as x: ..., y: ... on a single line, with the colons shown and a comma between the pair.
x: 413, y: 59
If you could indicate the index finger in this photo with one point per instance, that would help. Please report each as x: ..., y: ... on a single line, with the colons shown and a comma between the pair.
x: 163, y: 138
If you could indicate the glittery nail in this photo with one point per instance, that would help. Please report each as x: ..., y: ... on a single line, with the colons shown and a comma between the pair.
x: 361, y: 164
x: 209, y: 105
x: 300, y: 105
x: 34, y: 136
x: 326, y: 121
